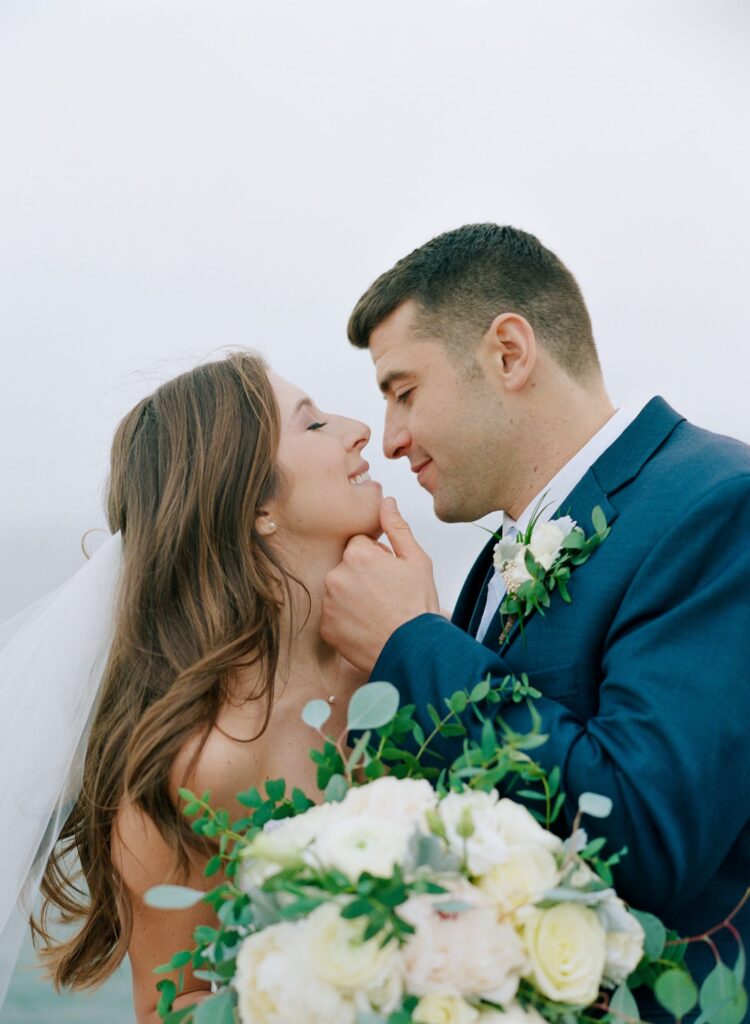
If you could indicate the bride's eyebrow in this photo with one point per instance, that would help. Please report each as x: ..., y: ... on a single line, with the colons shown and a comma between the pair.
x: 301, y: 405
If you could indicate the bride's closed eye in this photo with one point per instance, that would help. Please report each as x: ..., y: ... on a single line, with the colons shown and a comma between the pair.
x: 317, y: 426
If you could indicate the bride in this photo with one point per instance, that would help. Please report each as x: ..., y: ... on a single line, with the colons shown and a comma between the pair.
x: 233, y: 496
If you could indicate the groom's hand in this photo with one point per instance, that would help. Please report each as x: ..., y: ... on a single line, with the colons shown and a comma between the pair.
x: 373, y: 591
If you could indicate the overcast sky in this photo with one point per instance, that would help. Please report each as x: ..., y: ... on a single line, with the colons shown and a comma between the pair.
x: 179, y: 177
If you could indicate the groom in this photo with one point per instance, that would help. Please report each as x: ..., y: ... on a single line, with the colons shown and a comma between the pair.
x: 483, y: 350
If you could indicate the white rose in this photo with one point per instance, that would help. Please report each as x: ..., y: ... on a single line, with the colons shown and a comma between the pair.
x: 547, y: 539
x: 520, y: 828
x: 469, y: 953
x: 276, y: 984
x: 404, y: 800
x: 566, y: 946
x: 362, y: 843
x: 340, y: 957
x: 625, y: 940
x: 252, y: 873
x: 437, y: 1009
x: 513, y: 1014
x: 523, y: 877
x: 473, y: 810
x: 301, y: 830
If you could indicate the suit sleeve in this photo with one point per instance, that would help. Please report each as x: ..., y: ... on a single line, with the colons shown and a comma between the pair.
x: 669, y: 743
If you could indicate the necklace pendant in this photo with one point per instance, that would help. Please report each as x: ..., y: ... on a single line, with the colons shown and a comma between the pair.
x: 332, y: 699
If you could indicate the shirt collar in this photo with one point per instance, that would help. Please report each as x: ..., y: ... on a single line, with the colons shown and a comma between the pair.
x: 552, y: 495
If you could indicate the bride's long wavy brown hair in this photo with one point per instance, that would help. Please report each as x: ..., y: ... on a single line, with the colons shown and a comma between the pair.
x: 200, y: 598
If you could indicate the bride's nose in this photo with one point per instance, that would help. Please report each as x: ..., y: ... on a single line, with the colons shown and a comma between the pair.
x: 356, y: 435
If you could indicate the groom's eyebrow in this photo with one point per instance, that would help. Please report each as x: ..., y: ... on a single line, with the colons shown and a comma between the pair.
x: 392, y: 378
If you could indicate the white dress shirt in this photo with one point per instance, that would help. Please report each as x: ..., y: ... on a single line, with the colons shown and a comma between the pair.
x: 555, y: 492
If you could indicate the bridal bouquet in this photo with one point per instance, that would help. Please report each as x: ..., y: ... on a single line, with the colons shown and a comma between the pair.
x: 416, y: 894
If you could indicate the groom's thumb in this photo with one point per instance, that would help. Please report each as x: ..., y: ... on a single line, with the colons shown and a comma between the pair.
x: 397, y: 529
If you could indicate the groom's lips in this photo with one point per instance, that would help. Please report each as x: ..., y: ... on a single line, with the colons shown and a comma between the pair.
x: 419, y: 470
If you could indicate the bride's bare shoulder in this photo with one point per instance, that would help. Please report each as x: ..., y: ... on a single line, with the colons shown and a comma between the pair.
x: 215, y: 764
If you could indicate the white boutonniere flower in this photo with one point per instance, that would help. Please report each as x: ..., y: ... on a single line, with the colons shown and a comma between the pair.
x: 540, y: 561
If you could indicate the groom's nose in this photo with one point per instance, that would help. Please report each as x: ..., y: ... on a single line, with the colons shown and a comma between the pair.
x: 396, y: 440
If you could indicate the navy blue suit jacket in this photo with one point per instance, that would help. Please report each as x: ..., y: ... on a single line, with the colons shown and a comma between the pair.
x: 645, y: 676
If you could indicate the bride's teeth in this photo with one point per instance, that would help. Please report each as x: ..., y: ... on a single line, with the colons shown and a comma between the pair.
x: 361, y: 479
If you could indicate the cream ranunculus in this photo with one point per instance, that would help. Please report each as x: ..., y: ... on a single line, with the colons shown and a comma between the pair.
x: 566, y: 946
x: 361, y: 843
x: 473, y: 810
x: 437, y: 1009
x: 523, y: 877
x: 276, y: 984
x: 468, y: 953
x: 547, y: 539
x: 340, y: 957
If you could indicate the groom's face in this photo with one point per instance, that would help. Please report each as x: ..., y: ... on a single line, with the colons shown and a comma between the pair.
x: 441, y: 415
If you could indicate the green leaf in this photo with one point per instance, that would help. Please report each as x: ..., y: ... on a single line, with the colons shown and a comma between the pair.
x: 219, y: 1009
x: 300, y: 802
x: 595, y: 805
x: 316, y: 713
x: 275, y: 788
x: 168, y: 991
x: 656, y: 933
x: 488, y: 740
x: 336, y: 789
x: 722, y: 999
x: 622, y: 1001
x: 676, y: 992
x: 250, y: 798
x: 173, y: 897
x: 480, y: 691
x: 739, y: 967
x: 457, y: 702
x: 599, y: 520
x: 372, y: 706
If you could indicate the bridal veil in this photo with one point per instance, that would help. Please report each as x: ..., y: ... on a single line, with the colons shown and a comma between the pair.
x: 52, y: 660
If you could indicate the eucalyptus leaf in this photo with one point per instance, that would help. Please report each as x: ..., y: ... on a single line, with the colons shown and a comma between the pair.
x: 623, y: 1002
x: 452, y: 906
x: 595, y: 805
x: 722, y: 998
x: 598, y: 519
x: 656, y: 933
x: 316, y: 713
x: 219, y: 1009
x: 336, y: 789
x: 372, y: 705
x: 173, y: 897
x: 676, y: 992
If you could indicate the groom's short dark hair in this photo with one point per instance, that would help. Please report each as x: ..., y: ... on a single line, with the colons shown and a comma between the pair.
x: 465, y: 278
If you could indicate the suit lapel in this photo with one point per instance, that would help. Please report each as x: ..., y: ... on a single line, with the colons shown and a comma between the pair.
x: 614, y: 469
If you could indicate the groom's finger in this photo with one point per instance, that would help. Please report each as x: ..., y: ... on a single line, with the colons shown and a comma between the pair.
x: 397, y: 530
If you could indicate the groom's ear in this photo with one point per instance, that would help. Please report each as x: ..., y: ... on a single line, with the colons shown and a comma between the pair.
x: 508, y: 352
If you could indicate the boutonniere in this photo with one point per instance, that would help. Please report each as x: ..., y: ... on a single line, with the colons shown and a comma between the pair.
x: 536, y: 563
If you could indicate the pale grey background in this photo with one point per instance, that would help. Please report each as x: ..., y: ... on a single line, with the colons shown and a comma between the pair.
x: 176, y: 177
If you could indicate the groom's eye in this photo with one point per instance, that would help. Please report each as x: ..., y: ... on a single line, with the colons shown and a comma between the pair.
x: 404, y: 396
x: 317, y: 426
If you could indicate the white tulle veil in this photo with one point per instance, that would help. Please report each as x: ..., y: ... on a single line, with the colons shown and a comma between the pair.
x: 52, y: 660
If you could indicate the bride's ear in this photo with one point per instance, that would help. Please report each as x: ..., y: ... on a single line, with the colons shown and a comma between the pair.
x: 264, y: 523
